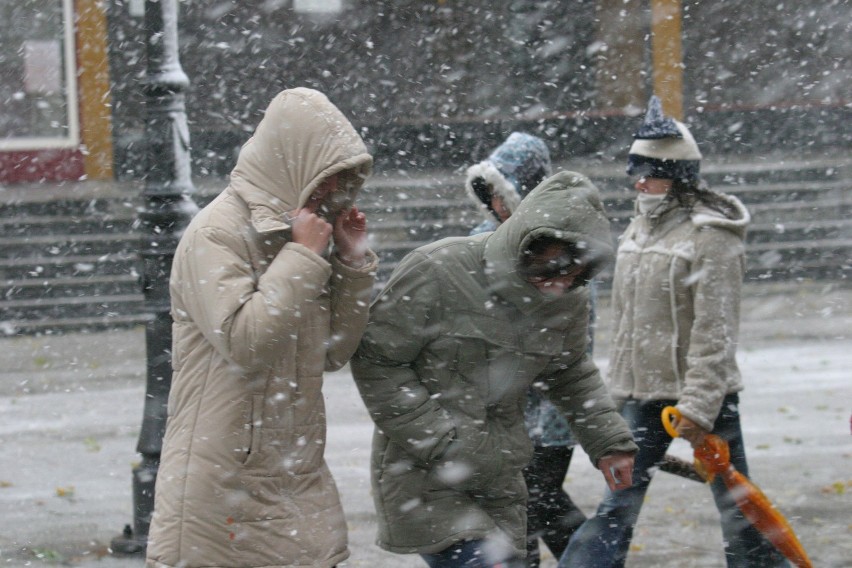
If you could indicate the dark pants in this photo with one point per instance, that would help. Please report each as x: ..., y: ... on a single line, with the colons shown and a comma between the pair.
x: 551, y: 515
x: 603, y: 540
x: 468, y: 554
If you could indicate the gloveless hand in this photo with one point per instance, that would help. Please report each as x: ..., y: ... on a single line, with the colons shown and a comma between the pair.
x: 350, y: 237
x: 690, y: 431
x: 310, y: 230
x: 617, y: 469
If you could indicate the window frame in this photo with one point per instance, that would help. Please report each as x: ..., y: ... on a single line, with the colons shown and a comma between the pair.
x: 69, y: 53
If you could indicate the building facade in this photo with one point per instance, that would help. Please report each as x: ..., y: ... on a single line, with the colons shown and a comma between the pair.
x: 429, y: 83
x: 56, y: 119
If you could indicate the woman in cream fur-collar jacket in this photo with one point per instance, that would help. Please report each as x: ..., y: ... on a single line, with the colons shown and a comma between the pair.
x: 676, y: 308
x: 676, y: 293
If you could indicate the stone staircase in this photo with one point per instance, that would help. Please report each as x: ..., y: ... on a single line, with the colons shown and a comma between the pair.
x: 68, y: 256
x: 800, y: 228
x: 405, y: 213
x: 801, y: 225
x: 67, y: 259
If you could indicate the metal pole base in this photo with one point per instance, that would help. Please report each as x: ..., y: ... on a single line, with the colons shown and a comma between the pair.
x: 127, y: 544
x: 134, y: 540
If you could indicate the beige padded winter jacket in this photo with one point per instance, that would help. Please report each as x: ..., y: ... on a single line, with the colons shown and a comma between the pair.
x: 257, y: 319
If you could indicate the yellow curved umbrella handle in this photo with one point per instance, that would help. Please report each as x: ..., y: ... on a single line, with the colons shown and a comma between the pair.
x: 669, y: 413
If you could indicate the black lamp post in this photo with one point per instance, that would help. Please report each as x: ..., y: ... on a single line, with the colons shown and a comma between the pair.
x: 167, y: 209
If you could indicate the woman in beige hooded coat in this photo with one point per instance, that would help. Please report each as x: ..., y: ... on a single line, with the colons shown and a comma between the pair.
x: 261, y: 308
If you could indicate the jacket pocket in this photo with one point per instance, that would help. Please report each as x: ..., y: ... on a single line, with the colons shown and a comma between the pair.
x: 480, y: 352
x: 253, y: 430
x: 184, y: 340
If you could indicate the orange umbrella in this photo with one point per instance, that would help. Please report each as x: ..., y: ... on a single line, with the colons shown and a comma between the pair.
x: 713, y: 458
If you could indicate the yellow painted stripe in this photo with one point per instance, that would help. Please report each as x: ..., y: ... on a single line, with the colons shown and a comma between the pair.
x: 667, y: 55
x: 93, y: 84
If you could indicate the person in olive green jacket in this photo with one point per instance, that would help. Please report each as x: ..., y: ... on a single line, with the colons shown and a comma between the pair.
x: 460, y: 332
x: 269, y: 288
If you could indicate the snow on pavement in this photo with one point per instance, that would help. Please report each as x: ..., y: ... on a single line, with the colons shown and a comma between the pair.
x: 67, y: 449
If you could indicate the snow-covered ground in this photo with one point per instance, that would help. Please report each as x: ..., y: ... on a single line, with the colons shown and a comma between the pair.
x: 71, y: 407
x: 796, y: 412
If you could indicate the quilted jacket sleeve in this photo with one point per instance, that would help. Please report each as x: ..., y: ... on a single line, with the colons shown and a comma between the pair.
x: 401, y: 324
x: 244, y: 316
x: 350, y: 308
x: 573, y: 383
x: 711, y: 369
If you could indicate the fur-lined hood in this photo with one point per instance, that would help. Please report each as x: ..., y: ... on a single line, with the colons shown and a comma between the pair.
x: 512, y: 170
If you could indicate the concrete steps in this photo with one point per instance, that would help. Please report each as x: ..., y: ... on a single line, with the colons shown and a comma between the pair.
x: 68, y: 256
x: 68, y: 259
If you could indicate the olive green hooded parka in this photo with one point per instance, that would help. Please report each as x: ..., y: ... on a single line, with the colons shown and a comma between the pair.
x: 454, y: 342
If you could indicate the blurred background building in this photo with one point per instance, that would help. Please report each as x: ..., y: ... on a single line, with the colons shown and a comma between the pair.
x: 432, y: 86
x: 429, y: 83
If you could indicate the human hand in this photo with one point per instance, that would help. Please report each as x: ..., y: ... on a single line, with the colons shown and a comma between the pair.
x: 617, y: 469
x: 310, y: 230
x: 350, y: 237
x: 689, y: 431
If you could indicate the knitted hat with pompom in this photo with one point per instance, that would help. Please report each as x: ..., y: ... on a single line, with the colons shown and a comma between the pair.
x: 512, y: 170
x: 663, y: 148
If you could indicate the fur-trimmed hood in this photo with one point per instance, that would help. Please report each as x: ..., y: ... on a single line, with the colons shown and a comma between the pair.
x: 735, y: 221
x: 512, y: 170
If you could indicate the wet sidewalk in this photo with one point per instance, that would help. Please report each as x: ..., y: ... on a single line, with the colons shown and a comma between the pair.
x: 71, y: 407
